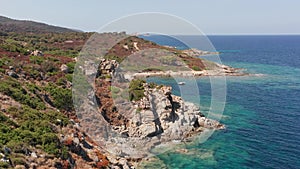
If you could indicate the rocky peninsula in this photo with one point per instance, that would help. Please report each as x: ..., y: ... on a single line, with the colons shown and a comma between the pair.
x: 136, y: 117
x: 136, y: 124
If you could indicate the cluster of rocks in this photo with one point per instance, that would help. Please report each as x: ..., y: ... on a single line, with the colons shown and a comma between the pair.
x: 167, y: 115
x: 11, y: 72
x: 4, y: 158
x: 107, y: 66
x: 160, y: 118
x: 135, y: 46
x: 223, y: 70
x: 37, y: 53
x: 144, y: 103
x: 7, y: 102
x: 228, y: 69
x: 196, y: 52
x: 17, y: 73
x: 34, y: 159
x: 84, y: 152
x: 119, y: 163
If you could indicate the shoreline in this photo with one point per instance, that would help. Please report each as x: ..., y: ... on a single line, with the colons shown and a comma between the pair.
x: 192, y: 73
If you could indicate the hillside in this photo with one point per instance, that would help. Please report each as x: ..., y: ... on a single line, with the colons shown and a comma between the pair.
x: 38, y: 123
x: 23, y: 26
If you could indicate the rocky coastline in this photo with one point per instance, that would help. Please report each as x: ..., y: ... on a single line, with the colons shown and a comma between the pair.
x: 137, y: 127
x: 220, y: 70
x: 196, y: 52
x: 159, y: 119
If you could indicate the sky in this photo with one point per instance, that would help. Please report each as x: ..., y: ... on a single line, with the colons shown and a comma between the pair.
x: 222, y: 17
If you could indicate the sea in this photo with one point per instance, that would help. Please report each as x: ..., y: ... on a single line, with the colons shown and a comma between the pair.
x: 261, y: 114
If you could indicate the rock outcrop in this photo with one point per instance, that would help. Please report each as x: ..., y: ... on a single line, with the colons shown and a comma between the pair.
x: 107, y: 66
x: 167, y: 116
x: 159, y: 118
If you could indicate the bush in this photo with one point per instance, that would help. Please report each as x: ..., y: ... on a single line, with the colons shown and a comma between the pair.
x: 62, y: 98
x: 152, y: 85
x: 136, y: 89
x: 115, y: 89
x: 14, y: 89
x: 37, y: 59
x: 196, y: 68
x: 4, y: 165
x: 170, y: 60
x: 113, y: 57
x: 5, y: 61
x: 69, y: 77
x: 71, y: 66
x: 35, y: 129
x: 49, y: 66
x: 50, y: 143
x: 18, y: 161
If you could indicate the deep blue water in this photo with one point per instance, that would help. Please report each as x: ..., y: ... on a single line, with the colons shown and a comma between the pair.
x: 262, y: 113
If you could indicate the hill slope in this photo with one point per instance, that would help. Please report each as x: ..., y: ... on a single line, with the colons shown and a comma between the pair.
x: 21, y: 26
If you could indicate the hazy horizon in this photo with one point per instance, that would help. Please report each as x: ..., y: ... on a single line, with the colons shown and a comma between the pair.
x: 212, y: 17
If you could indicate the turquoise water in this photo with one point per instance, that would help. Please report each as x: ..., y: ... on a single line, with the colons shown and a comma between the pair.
x: 262, y: 113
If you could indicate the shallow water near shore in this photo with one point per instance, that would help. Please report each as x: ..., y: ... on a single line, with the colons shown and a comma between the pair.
x: 262, y: 113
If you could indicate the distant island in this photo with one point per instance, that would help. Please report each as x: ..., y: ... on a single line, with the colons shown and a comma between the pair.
x: 38, y: 123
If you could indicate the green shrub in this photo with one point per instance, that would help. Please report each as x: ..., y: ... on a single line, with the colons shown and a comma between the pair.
x: 4, y: 165
x: 64, y: 153
x: 114, y: 89
x: 69, y: 77
x: 62, y: 98
x: 50, y: 143
x: 49, y: 66
x: 170, y: 60
x: 14, y: 89
x: 113, y: 57
x: 16, y: 145
x: 71, y: 66
x: 61, y: 81
x: 37, y: 59
x: 152, y: 85
x: 18, y: 161
x: 136, y: 89
x: 5, y: 61
x: 36, y: 129
x: 196, y: 68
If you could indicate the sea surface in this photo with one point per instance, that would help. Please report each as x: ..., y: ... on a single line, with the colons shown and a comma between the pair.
x: 262, y: 113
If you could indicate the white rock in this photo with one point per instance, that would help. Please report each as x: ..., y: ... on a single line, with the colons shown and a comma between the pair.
x: 34, y: 155
x: 64, y: 68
